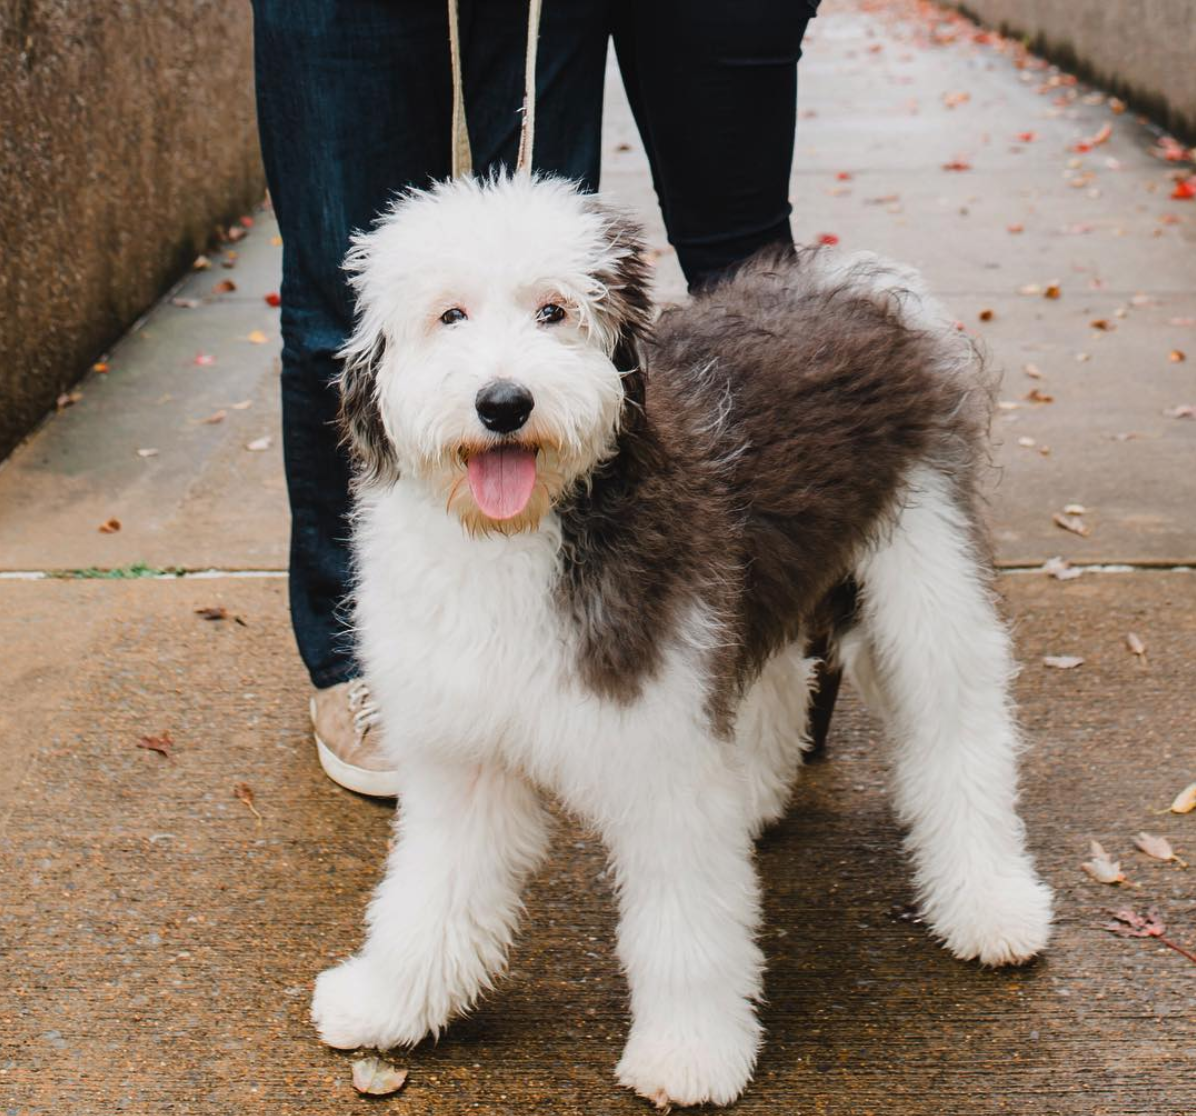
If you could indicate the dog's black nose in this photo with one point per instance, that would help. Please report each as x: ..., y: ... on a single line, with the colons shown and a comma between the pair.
x: 503, y: 406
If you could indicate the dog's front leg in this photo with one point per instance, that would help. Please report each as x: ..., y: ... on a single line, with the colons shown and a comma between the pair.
x: 441, y: 921
x: 689, y: 907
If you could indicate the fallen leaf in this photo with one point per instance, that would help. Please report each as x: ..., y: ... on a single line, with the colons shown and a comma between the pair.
x: 1083, y: 358
x: 1026, y: 443
x: 1074, y: 509
x: 1130, y: 924
x: 1133, y: 641
x: 67, y: 399
x: 1061, y: 569
x: 827, y: 238
x: 148, y: 452
x: 273, y: 299
x: 213, y: 612
x: 1116, y: 105
x: 1095, y: 141
x: 1062, y: 662
x: 376, y: 1078
x: 957, y: 165
x: 1017, y: 227
x: 160, y: 744
x: 1033, y: 371
x: 246, y: 222
x: 204, y: 360
x: 215, y: 417
x: 1026, y: 137
x: 1185, y: 801
x: 1103, y: 868
x: 243, y: 792
x: 1102, y: 324
x: 259, y: 444
x: 1034, y: 395
x: 1030, y: 289
x: 1072, y: 523
x: 987, y: 315
x: 953, y: 99
x: 1185, y: 189
x: 202, y: 263
x: 234, y: 234
x: 109, y: 527
x: 187, y: 303
x: 844, y: 176
x: 1052, y: 290
x: 244, y: 405
x: 1177, y: 356
x: 1159, y: 848
x: 101, y: 366
x: 257, y: 337
x: 1184, y: 410
x: 225, y: 286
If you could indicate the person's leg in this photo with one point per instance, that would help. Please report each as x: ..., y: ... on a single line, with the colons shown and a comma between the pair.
x: 714, y: 91
x: 354, y: 105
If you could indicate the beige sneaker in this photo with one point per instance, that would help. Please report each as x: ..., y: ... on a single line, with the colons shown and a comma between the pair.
x: 349, y: 740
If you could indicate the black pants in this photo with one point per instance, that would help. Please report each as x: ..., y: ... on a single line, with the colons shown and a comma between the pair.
x: 354, y: 103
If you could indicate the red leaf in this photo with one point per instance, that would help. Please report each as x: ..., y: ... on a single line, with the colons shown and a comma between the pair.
x: 827, y: 238
x: 844, y: 176
x: 1185, y: 189
x: 273, y: 299
x: 957, y: 165
x: 1027, y: 137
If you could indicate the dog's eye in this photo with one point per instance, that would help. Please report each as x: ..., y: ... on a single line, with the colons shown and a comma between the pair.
x: 550, y: 313
x: 453, y: 316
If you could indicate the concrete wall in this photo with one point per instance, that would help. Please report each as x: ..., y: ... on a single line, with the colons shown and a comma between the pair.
x: 126, y: 134
x: 1142, y: 50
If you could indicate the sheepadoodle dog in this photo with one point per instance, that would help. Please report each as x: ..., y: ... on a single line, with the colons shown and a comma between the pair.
x: 592, y: 551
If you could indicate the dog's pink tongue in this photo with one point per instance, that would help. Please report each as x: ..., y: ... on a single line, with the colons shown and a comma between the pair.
x: 502, y: 480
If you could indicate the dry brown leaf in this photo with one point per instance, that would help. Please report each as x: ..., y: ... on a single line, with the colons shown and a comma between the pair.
x: 1134, y: 642
x: 987, y: 315
x: 160, y: 744
x: 213, y: 612
x: 225, y: 286
x: 1033, y: 371
x: 67, y: 399
x: 202, y: 263
x: 376, y: 1078
x: 109, y: 527
x: 1158, y: 847
x: 1052, y: 290
x: 215, y: 417
x: 1062, y: 662
x: 257, y: 337
x: 244, y: 405
x: 243, y: 792
x: 1102, y: 867
x: 1177, y: 356
x: 1103, y: 324
x: 1185, y: 801
x: 1184, y: 410
x: 1072, y: 523
x: 1035, y: 395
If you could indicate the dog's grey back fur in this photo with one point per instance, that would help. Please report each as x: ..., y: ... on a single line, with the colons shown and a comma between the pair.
x: 783, y: 410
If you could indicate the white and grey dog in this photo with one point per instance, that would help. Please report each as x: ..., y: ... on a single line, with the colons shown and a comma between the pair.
x: 592, y: 550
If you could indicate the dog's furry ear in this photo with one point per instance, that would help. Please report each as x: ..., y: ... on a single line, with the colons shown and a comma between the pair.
x: 360, y: 418
x: 625, y: 306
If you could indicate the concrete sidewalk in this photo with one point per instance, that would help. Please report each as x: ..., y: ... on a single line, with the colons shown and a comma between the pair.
x: 159, y: 940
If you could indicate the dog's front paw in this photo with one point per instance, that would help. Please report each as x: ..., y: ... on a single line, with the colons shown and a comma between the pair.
x: 356, y: 1004
x: 1005, y: 920
x: 694, y: 1060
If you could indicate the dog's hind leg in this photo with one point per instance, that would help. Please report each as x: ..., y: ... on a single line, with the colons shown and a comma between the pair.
x: 771, y: 733
x: 943, y: 666
x: 441, y: 921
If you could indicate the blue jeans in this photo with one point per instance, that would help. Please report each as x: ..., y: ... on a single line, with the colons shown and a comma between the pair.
x: 354, y: 103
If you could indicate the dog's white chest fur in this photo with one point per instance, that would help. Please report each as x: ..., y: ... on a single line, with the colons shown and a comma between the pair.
x: 470, y: 656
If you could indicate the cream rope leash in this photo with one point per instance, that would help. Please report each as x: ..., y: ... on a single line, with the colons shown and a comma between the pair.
x: 462, y: 154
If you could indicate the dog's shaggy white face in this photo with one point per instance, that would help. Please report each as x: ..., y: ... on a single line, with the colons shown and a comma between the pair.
x: 484, y: 358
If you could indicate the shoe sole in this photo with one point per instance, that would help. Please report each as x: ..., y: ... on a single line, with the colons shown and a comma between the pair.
x: 361, y: 780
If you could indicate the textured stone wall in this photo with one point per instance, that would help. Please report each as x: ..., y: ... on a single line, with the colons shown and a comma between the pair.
x: 126, y: 134
x: 1142, y: 50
